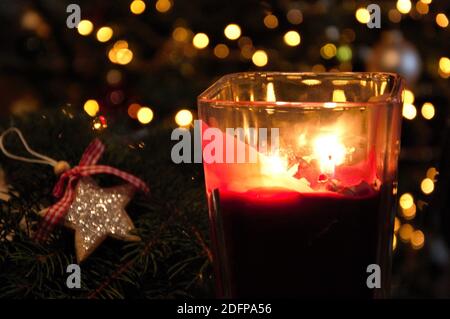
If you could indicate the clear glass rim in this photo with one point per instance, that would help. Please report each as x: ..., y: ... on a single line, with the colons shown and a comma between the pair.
x: 394, y: 96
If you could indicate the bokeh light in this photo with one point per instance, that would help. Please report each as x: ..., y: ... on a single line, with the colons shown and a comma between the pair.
x: 408, y: 97
x: 344, y: 53
x: 200, y: 41
x: 91, y: 107
x: 163, y: 5
x: 137, y: 6
x: 292, y: 38
x: 124, y: 56
x: 328, y: 51
x: 442, y: 20
x: 417, y: 239
x: 406, y: 201
x: 145, y: 115
x: 113, y: 52
x: 409, y: 111
x: 409, y: 213
x: 221, y: 51
x: 432, y: 172
x: 184, y: 118
x: 271, y: 21
x: 427, y: 186
x: 444, y: 65
x: 294, y: 16
x: 85, y: 27
x: 404, y: 6
x: 428, y: 110
x: 362, y: 15
x: 133, y: 110
x: 260, y: 58
x: 405, y: 232
x: 104, y: 34
x: 422, y: 7
x: 232, y: 31
x: 180, y: 34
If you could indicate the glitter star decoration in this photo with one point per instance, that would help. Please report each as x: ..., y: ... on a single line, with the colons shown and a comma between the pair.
x: 97, y: 213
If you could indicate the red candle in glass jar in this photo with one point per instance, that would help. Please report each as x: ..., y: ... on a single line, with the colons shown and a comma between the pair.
x: 308, y: 219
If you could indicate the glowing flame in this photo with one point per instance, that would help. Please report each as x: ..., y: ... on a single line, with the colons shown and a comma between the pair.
x: 329, y: 151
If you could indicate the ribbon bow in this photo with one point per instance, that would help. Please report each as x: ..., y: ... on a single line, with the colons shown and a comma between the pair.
x: 65, y: 187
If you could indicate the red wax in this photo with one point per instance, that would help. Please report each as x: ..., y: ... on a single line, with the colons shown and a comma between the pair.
x: 281, y: 243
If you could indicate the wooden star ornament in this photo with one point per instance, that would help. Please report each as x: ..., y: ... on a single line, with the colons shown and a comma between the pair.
x: 97, y: 213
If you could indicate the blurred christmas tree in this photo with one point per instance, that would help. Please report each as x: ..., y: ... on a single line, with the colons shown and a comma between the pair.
x: 132, y: 65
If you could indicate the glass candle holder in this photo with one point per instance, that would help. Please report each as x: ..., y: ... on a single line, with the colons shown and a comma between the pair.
x: 300, y: 173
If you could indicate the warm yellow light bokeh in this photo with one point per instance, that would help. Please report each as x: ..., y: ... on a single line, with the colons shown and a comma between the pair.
x: 428, y: 110
x: 221, y: 51
x: 145, y: 115
x: 85, y: 27
x: 405, y: 232
x: 163, y: 5
x: 260, y: 58
x: 408, y: 97
x: 292, y: 38
x: 271, y: 21
x: 406, y: 201
x: 124, y: 56
x: 232, y: 31
x: 394, y: 242
x: 409, y: 111
x: 417, y: 239
x: 104, y: 34
x: 442, y: 20
x: 328, y: 51
x: 91, y: 107
x: 444, y: 65
x: 362, y: 15
x: 409, y: 213
x: 137, y: 6
x: 184, y: 117
x: 427, y: 186
x: 404, y: 6
x: 422, y: 7
x: 200, y: 41
x: 121, y: 44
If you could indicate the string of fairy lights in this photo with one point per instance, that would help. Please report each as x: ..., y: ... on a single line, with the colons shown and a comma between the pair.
x: 120, y: 53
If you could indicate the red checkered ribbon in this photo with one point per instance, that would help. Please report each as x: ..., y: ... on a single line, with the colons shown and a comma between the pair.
x: 65, y: 187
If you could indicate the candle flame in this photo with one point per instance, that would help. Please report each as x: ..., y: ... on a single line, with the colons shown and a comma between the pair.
x: 329, y: 151
x: 270, y: 95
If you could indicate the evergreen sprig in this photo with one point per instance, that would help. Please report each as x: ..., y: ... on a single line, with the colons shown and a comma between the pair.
x: 172, y: 260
